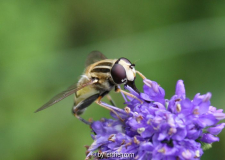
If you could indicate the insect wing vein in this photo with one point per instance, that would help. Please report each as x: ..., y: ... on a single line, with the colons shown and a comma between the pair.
x: 72, y: 89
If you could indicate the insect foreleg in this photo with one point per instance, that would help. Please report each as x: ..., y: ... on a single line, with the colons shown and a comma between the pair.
x: 98, y: 101
x: 140, y: 74
x: 128, y: 94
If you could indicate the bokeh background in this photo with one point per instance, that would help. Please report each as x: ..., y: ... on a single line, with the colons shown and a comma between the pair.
x: 43, y: 46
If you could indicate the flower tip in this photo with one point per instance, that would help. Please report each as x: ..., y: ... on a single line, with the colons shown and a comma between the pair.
x: 217, y: 129
x: 180, y: 89
x: 219, y: 116
x: 207, y: 97
x: 148, y: 82
x: 209, y: 138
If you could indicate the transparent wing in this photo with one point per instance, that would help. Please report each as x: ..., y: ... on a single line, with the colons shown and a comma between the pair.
x: 93, y: 57
x: 72, y: 89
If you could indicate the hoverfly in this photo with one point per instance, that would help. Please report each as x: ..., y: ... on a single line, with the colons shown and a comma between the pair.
x: 99, y: 78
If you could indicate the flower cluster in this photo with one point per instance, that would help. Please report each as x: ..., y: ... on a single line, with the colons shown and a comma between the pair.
x: 158, y: 128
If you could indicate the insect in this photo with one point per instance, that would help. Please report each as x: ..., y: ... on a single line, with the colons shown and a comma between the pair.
x: 100, y: 77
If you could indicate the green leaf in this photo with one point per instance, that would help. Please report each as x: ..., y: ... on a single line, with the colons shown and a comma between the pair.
x: 206, y: 146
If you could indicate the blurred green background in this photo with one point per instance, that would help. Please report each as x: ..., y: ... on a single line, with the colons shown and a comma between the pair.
x: 44, y: 44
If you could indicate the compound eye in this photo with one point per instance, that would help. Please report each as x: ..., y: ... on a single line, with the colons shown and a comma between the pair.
x: 118, y: 74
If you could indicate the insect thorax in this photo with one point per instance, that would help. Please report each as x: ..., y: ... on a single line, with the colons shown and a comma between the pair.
x: 104, y: 83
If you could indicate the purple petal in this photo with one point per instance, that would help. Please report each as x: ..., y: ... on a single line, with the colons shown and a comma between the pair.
x: 216, y: 130
x: 159, y: 105
x: 186, y: 107
x: 147, y: 146
x: 180, y: 89
x: 187, y: 154
x: 99, y: 140
x: 147, y: 133
x: 209, y: 138
x: 193, y: 132
x: 198, y: 99
x: 219, y: 116
x: 131, y: 90
x: 206, y: 120
x: 148, y: 82
x: 204, y: 107
x: 154, y: 91
x: 97, y: 127
x: 145, y: 97
x: 207, y: 97
x: 162, y: 135
x: 180, y: 134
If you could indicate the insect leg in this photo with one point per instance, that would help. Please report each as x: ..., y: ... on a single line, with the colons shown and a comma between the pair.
x: 128, y: 94
x: 110, y: 100
x: 106, y: 93
x: 124, y: 97
x: 98, y: 101
x: 81, y: 119
x: 140, y: 74
x: 79, y: 108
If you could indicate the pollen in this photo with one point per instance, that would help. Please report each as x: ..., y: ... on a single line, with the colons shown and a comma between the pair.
x: 196, y: 112
x: 149, y: 121
x: 136, y: 141
x: 111, y: 138
x: 197, y: 154
x: 178, y: 107
x: 140, y: 130
x: 127, y: 110
x: 162, y: 150
x: 139, y: 119
x: 172, y: 131
x: 186, y: 154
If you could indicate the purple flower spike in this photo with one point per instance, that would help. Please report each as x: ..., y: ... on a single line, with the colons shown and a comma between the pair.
x: 158, y: 128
